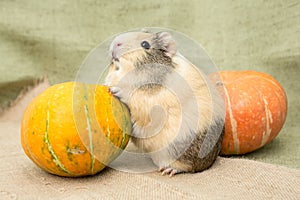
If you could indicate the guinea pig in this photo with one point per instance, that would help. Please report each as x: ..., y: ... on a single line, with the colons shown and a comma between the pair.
x: 177, y: 114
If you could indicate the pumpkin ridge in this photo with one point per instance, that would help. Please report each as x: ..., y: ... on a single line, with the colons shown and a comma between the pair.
x: 107, y: 135
x: 50, y: 149
x: 233, y: 124
x: 107, y: 128
x: 31, y: 155
x: 123, y: 128
x: 88, y: 121
x: 90, y: 137
x: 268, y: 131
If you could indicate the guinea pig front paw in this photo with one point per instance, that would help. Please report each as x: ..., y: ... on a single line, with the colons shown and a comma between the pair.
x: 119, y: 93
x: 116, y: 91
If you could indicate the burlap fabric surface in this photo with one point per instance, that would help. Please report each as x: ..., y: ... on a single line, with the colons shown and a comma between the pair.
x: 227, y: 179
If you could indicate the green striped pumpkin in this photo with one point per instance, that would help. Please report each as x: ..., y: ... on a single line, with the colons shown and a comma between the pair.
x: 75, y: 129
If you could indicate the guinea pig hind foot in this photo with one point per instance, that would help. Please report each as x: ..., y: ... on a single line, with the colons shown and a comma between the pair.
x: 170, y: 171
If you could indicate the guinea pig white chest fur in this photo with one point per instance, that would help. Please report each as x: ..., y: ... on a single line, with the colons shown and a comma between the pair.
x: 177, y: 115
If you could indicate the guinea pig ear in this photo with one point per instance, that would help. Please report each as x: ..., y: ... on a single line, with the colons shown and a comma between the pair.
x: 167, y: 43
x: 145, y: 30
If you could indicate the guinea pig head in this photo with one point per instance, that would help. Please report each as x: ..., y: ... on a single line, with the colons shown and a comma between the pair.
x: 135, y: 49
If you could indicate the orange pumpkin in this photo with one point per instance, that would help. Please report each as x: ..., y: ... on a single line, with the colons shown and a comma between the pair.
x: 256, y: 109
x: 75, y: 129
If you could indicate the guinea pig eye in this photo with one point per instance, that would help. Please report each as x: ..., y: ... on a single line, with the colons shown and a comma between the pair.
x: 145, y: 45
